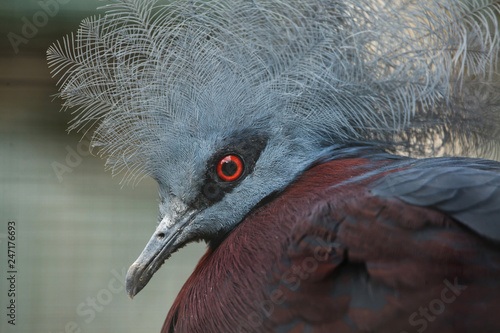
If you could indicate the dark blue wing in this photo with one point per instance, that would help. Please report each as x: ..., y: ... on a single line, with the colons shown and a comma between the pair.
x: 466, y: 189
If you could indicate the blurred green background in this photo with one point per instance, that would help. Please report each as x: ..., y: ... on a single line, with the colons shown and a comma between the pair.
x: 78, y: 229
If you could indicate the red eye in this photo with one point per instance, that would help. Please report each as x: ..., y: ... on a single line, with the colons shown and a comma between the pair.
x: 230, y: 168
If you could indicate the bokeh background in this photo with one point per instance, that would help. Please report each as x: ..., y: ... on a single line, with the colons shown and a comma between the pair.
x: 78, y: 228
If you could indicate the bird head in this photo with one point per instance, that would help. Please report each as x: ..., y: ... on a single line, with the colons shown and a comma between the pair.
x: 210, y: 183
x: 224, y: 103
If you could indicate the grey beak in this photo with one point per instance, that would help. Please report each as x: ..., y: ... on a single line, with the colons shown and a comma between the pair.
x: 162, y: 244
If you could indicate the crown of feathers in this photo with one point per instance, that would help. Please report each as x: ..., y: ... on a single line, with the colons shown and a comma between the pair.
x: 408, y: 75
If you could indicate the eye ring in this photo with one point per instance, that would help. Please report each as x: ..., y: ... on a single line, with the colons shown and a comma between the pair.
x: 230, y: 168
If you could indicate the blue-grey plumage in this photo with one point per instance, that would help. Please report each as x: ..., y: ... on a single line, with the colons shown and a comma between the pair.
x: 397, y: 73
x: 171, y: 89
x: 466, y: 189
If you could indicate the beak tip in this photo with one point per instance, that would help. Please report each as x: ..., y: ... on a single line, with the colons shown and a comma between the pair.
x: 131, y: 292
x: 132, y: 285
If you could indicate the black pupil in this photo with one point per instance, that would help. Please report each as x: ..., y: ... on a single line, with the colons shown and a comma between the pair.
x: 229, y: 168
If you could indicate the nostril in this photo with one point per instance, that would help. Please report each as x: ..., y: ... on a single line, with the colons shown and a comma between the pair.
x: 161, y: 235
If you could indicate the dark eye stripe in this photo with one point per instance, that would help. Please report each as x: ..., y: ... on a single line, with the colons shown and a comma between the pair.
x: 223, y: 170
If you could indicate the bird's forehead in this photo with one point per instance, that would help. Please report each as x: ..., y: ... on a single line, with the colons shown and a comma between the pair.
x: 182, y: 167
x: 184, y: 161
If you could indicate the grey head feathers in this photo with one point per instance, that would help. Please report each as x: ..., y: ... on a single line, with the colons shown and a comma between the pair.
x: 408, y: 75
x: 168, y: 89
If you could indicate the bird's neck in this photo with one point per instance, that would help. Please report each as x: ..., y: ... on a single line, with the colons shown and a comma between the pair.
x: 235, y: 270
